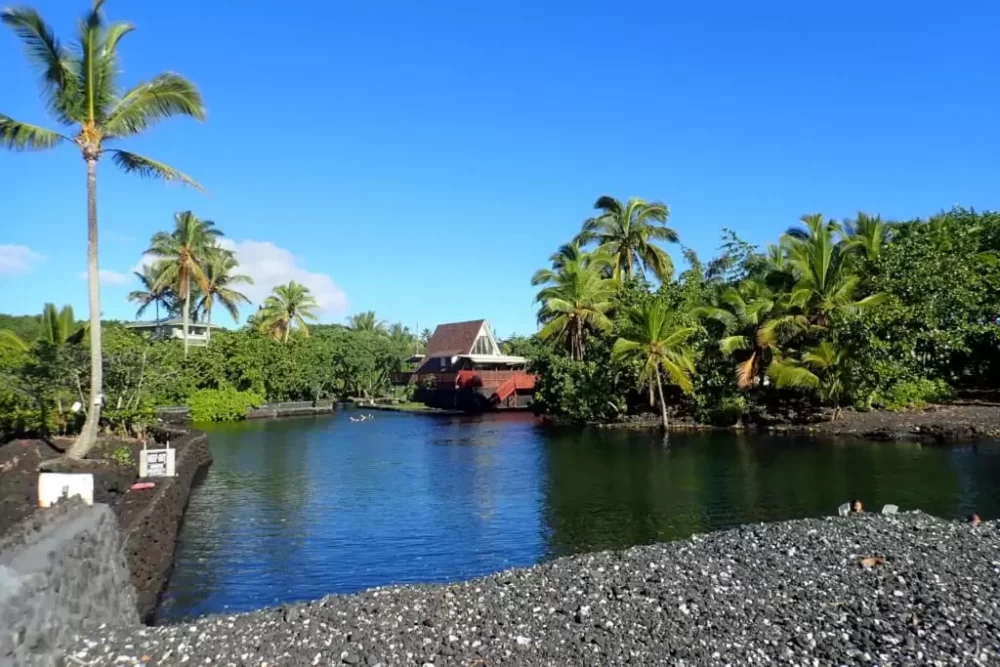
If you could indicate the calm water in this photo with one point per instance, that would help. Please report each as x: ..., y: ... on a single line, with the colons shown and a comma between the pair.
x: 299, y: 508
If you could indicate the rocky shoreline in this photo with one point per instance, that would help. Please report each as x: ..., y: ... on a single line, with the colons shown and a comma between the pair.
x: 871, y: 589
x: 936, y: 423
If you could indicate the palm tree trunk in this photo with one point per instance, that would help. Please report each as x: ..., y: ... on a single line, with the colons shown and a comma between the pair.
x: 88, y: 435
x: 208, y: 321
x: 288, y: 328
x: 187, y: 313
x: 663, y: 404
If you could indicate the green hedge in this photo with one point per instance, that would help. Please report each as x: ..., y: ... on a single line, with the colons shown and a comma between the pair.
x: 227, y: 404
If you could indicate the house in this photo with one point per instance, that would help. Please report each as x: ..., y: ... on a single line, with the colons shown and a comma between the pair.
x: 165, y: 329
x: 464, y: 368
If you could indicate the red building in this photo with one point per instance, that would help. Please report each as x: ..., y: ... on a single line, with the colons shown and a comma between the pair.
x: 464, y: 368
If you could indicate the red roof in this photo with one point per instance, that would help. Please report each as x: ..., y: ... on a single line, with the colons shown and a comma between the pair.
x: 453, y: 339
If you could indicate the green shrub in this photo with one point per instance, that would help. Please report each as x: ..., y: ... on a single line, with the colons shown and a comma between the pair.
x: 129, y: 423
x: 226, y: 404
x: 123, y: 456
x: 911, y: 394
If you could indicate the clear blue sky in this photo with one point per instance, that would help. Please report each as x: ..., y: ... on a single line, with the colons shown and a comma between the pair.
x: 423, y: 159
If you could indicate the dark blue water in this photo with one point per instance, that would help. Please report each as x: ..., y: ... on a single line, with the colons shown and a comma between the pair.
x: 296, y: 509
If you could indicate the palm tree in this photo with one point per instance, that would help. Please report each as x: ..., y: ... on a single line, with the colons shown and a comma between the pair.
x: 81, y: 90
x: 659, y: 347
x: 366, y: 321
x: 184, y: 254
x: 578, y: 297
x: 743, y: 310
x: 628, y: 233
x: 568, y: 252
x: 59, y: 327
x: 867, y: 234
x: 154, y: 292
x: 825, y: 278
x: 288, y: 306
x: 820, y: 369
x: 219, y: 281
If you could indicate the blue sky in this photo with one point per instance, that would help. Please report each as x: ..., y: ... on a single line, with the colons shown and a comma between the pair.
x: 423, y: 159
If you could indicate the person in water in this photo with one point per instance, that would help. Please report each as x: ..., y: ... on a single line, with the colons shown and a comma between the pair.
x: 857, y: 508
x: 974, y: 520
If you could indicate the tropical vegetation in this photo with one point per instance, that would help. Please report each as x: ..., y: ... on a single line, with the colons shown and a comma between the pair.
x: 81, y: 89
x: 860, y: 314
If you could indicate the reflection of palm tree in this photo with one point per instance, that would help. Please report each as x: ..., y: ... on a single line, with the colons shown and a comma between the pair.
x: 81, y: 90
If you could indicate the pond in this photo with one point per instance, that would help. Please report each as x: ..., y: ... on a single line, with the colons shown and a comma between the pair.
x: 299, y: 508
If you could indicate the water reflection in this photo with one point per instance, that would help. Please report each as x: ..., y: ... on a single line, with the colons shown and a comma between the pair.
x: 299, y: 508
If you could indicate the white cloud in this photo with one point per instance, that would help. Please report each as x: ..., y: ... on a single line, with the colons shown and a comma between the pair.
x: 108, y: 277
x: 17, y: 259
x: 270, y: 265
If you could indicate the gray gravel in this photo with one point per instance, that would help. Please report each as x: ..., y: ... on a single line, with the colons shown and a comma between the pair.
x: 791, y: 593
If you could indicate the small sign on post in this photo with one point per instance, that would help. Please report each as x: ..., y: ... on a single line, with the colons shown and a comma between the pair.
x: 157, y: 462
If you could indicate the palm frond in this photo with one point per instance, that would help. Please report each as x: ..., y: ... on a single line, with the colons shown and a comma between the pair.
x: 789, y: 375
x: 132, y: 163
x: 59, y: 75
x: 731, y: 344
x: 165, y: 96
x: 11, y: 340
x: 18, y: 136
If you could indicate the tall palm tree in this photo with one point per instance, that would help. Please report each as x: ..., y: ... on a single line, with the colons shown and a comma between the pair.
x: 219, y: 281
x: 184, y: 253
x: 154, y: 291
x: 81, y: 90
x: 578, y: 297
x: 820, y: 368
x: 366, y: 321
x: 659, y: 347
x: 288, y: 307
x: 628, y: 233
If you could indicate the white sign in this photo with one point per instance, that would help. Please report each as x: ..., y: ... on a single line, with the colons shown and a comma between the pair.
x: 157, y: 462
x: 54, y: 486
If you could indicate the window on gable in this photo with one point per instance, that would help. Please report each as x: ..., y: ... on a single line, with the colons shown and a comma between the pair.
x: 482, y: 346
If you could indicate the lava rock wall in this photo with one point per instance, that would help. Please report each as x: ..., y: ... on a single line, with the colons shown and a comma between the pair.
x: 62, y: 573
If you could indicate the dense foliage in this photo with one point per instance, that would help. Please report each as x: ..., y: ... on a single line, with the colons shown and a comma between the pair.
x: 865, y: 313
x: 218, y: 381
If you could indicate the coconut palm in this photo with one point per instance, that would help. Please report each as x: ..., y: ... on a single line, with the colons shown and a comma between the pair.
x: 820, y: 369
x: 743, y: 311
x: 659, y: 347
x: 59, y: 327
x: 867, y: 234
x: 288, y: 307
x: 366, y: 321
x: 568, y: 252
x: 80, y: 87
x: 628, y: 234
x: 578, y: 297
x: 154, y: 292
x: 826, y: 279
x: 220, y: 278
x: 183, y: 253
